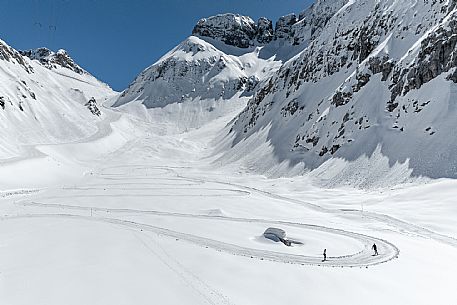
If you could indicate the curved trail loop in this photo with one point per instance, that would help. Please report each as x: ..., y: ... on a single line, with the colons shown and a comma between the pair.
x: 360, y: 259
x: 194, y: 187
x: 396, y: 223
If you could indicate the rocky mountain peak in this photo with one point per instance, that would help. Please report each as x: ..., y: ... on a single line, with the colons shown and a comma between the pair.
x: 265, y: 31
x: 284, y: 26
x: 53, y: 60
x: 243, y: 32
x: 232, y: 29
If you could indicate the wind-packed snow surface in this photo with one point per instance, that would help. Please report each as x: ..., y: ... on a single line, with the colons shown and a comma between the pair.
x: 137, y: 215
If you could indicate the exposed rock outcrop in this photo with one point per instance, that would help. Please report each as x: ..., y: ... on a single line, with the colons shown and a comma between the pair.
x: 92, y: 106
x: 52, y: 60
x: 232, y: 29
x: 7, y: 53
x: 243, y: 32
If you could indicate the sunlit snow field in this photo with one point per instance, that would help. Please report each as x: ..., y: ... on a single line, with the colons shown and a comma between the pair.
x: 134, y: 215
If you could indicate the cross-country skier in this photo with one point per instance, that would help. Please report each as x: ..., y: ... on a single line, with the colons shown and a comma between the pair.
x: 325, y: 255
x: 375, y: 249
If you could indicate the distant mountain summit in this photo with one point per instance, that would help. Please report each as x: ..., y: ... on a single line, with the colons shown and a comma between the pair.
x: 243, y: 32
x: 221, y: 64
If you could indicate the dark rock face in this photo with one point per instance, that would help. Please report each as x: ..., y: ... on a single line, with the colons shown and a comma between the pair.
x: 51, y: 60
x: 381, y: 65
x: 243, y: 32
x: 362, y: 80
x: 92, y: 106
x: 232, y: 29
x: 265, y: 30
x: 291, y: 108
x: 63, y: 59
x: 300, y: 29
x: 40, y: 54
x: 437, y: 54
x: 341, y: 98
x: 334, y: 149
x: 9, y: 54
x: 284, y: 28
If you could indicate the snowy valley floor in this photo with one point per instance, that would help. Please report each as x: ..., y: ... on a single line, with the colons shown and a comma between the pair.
x: 136, y: 216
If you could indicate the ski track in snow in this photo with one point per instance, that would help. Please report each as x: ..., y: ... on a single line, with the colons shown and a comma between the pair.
x: 364, y: 258
x: 385, y: 219
x: 209, y: 294
x: 387, y: 250
x: 396, y: 223
x: 18, y: 193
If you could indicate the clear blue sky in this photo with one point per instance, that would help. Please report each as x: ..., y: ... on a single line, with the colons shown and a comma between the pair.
x: 117, y: 39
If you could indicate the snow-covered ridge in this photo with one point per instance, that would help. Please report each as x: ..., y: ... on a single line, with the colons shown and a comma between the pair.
x: 44, y: 101
x: 227, y: 56
x: 194, y: 68
x: 196, y: 82
x: 225, y: 59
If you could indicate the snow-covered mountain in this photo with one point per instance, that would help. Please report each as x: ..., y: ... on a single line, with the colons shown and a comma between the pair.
x: 352, y: 91
x: 212, y: 72
x: 370, y: 99
x: 45, y: 97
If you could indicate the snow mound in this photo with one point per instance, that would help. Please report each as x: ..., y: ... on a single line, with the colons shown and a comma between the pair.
x: 275, y: 234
